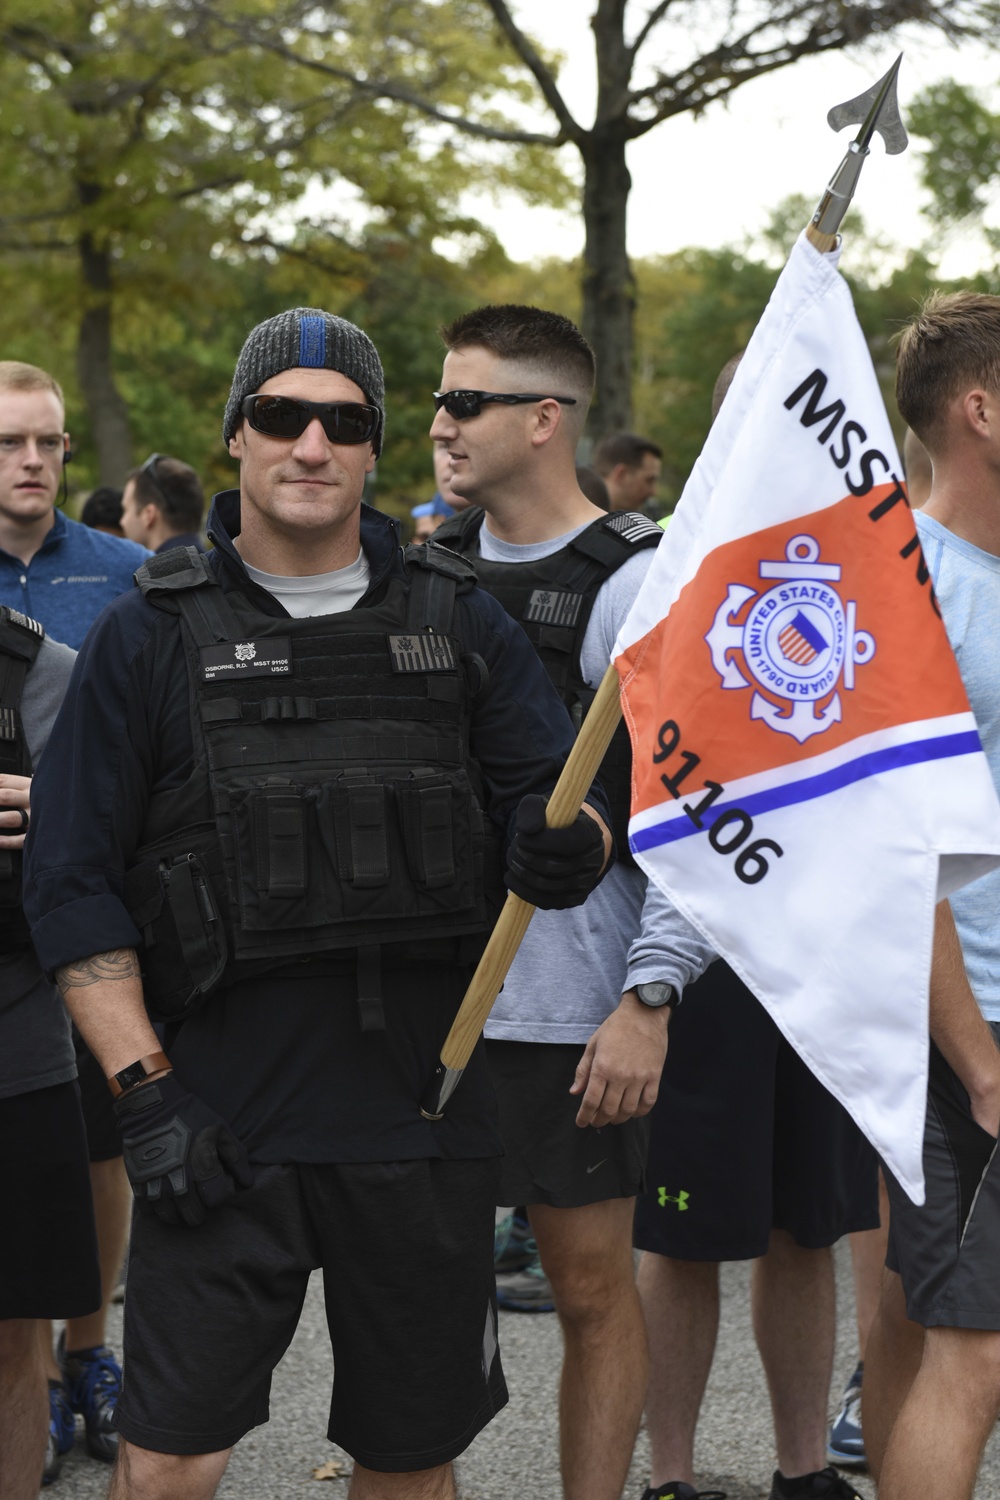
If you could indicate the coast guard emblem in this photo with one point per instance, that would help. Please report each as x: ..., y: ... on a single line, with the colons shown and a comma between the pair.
x: 796, y: 642
x: 245, y: 651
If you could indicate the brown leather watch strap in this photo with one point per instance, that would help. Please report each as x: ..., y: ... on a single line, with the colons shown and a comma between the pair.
x: 154, y: 1062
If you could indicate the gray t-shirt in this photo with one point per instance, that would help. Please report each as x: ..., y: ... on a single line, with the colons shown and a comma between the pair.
x: 317, y: 593
x: 36, y: 1048
x: 573, y: 966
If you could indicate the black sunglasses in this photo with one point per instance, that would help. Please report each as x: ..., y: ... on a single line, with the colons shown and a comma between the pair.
x: 345, y: 422
x: 462, y: 404
x: 149, y: 469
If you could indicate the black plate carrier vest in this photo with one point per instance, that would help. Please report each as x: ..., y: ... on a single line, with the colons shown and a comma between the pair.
x: 20, y: 641
x: 552, y: 600
x: 334, y: 803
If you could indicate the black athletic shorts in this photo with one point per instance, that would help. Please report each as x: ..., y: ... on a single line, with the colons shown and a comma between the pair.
x: 103, y: 1141
x: 548, y: 1157
x: 745, y: 1140
x: 48, y: 1245
x: 407, y: 1255
x: 948, y: 1251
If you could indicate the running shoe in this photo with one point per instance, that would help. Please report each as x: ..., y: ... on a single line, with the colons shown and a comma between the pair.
x: 513, y: 1245
x: 825, y: 1484
x: 62, y: 1430
x: 94, y: 1380
x: 528, y: 1290
x: 845, y: 1444
x: 677, y: 1490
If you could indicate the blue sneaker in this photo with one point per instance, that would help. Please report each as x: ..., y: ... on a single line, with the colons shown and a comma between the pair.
x: 94, y: 1380
x: 528, y: 1290
x: 513, y: 1244
x: 845, y: 1444
x: 62, y: 1430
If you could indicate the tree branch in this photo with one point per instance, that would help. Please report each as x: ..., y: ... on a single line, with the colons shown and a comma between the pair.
x: 526, y: 52
x: 653, y: 19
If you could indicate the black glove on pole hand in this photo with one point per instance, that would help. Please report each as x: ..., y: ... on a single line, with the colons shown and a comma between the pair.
x: 181, y: 1158
x: 553, y: 867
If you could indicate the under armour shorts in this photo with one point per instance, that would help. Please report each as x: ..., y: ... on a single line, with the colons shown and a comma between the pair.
x: 947, y: 1250
x: 48, y: 1248
x: 548, y: 1157
x: 406, y: 1250
x: 745, y: 1140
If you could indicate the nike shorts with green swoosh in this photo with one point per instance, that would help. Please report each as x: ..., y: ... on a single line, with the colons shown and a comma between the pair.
x: 745, y: 1140
x: 548, y: 1158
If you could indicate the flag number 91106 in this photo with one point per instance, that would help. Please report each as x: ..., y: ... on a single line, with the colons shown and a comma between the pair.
x: 730, y: 829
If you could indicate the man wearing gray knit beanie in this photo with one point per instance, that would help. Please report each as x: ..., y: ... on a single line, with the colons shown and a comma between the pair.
x: 322, y: 749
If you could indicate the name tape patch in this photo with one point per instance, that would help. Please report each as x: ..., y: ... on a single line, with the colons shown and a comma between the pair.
x: 271, y: 657
x: 422, y: 653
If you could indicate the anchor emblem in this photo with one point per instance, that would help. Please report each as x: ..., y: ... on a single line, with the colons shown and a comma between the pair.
x: 798, y: 640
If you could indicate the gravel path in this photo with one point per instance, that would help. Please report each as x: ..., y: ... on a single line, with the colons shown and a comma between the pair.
x: 516, y: 1458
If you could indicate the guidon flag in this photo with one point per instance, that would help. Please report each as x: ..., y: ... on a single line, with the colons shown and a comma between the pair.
x: 808, y: 780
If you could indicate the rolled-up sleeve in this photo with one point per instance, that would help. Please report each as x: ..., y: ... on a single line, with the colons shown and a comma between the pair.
x: 668, y: 947
x: 89, y: 796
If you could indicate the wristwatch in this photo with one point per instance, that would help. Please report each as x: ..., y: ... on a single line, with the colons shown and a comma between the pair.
x: 657, y: 993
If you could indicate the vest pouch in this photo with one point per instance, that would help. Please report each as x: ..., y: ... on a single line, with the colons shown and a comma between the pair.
x: 184, y: 950
x: 279, y: 857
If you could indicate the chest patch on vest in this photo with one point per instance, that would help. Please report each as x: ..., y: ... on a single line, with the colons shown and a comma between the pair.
x: 270, y: 657
x: 422, y: 653
x: 546, y: 607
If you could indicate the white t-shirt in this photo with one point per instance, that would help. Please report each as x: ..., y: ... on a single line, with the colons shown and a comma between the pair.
x: 317, y: 593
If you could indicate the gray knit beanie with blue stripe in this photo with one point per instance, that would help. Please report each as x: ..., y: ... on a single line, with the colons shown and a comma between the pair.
x: 306, y: 337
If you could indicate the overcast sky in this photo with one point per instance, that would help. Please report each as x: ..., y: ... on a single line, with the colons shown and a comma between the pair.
x: 712, y: 180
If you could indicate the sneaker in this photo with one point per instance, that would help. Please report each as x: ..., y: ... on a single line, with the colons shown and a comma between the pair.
x: 94, y: 1380
x: 513, y: 1244
x: 528, y: 1290
x: 845, y: 1444
x: 825, y: 1484
x: 62, y: 1430
x: 677, y: 1490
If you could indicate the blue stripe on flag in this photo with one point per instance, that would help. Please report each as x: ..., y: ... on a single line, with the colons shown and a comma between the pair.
x: 312, y: 342
x: 811, y: 787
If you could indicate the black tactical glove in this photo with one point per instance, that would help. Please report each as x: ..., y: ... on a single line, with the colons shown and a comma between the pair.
x: 553, y: 867
x: 181, y: 1158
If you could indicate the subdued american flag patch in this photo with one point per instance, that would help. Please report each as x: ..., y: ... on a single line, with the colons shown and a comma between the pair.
x: 547, y: 607
x: 422, y: 652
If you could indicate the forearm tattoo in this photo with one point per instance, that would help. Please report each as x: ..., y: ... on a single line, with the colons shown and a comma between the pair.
x: 101, y: 968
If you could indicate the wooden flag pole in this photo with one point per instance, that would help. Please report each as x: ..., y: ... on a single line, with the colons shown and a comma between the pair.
x: 562, y: 810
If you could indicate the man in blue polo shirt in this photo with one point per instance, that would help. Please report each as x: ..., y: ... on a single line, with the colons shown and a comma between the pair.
x: 52, y: 569
x: 63, y: 574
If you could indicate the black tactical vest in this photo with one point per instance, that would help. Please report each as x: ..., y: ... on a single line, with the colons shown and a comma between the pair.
x: 552, y: 599
x: 334, y: 802
x: 20, y: 640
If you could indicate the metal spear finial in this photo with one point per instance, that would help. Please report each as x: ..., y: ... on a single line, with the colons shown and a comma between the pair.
x: 877, y: 109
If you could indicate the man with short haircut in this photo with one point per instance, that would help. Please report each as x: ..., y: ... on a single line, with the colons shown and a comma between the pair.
x: 579, y: 1032
x: 630, y: 467
x: 297, y: 762
x: 62, y: 574
x: 51, y: 568
x: 48, y: 1250
x: 163, y: 504
x: 931, y: 1401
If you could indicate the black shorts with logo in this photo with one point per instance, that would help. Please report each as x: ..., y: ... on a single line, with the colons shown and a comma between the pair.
x: 947, y: 1250
x: 406, y: 1250
x: 745, y: 1140
x: 548, y: 1158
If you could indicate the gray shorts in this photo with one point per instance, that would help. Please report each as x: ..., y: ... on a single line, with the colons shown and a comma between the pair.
x: 948, y: 1251
x: 548, y: 1158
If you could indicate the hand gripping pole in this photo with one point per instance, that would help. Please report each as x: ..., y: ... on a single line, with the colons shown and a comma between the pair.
x: 562, y: 810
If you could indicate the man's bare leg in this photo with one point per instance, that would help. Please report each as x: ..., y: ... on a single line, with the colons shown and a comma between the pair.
x: 587, y: 1255
x: 868, y: 1247
x: 680, y: 1299
x: 948, y: 1416
x: 895, y: 1350
x: 24, y: 1410
x: 140, y: 1474
x: 794, y: 1310
x: 423, y: 1484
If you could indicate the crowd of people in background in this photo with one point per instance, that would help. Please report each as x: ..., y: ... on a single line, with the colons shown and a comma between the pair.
x: 300, y: 905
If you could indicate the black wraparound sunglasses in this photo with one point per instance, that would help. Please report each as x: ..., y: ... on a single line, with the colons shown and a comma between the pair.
x: 462, y: 404
x: 346, y: 422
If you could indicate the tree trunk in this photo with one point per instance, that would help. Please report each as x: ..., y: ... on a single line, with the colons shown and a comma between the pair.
x: 106, y: 409
x: 608, y: 287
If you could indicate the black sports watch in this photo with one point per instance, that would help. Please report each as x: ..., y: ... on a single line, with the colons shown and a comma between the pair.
x: 657, y: 993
